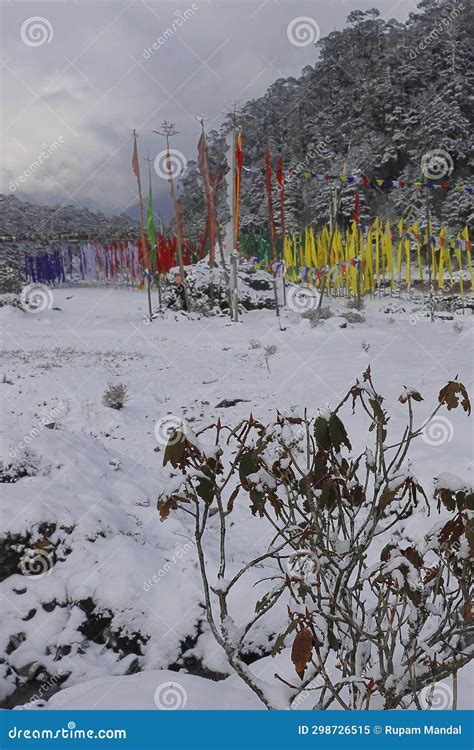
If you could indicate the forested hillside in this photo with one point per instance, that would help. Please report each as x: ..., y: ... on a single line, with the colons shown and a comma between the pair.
x: 379, y: 97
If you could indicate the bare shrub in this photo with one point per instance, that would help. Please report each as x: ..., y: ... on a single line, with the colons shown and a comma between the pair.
x: 115, y: 396
x: 376, y: 609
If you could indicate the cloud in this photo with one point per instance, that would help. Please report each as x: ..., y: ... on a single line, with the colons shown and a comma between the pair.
x: 113, y: 66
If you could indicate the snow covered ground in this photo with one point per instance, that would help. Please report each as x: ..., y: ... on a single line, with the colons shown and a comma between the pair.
x: 95, y: 587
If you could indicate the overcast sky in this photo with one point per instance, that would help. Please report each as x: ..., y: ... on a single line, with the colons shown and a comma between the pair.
x: 78, y: 76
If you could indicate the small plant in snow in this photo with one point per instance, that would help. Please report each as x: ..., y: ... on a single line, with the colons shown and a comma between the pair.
x: 458, y: 327
x: 269, y: 351
x: 115, y: 396
x: 254, y: 344
x: 365, y: 346
x: 376, y: 613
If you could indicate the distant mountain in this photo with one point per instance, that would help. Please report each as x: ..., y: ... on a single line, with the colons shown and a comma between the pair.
x: 21, y: 219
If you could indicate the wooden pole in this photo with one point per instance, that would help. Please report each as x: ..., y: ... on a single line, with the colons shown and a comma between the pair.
x: 156, y: 243
x: 234, y: 295
x: 323, y: 285
x: 233, y: 193
x: 234, y: 311
x: 179, y: 225
x: 167, y: 130
x: 148, y: 285
x: 428, y: 221
x: 227, y: 277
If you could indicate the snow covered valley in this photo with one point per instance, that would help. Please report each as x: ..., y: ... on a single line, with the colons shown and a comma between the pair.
x: 101, y: 604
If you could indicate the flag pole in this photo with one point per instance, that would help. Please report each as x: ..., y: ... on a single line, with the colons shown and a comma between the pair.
x: 281, y: 186
x: 167, y: 130
x: 203, y: 164
x: 136, y: 169
x: 233, y: 196
x: 430, y: 283
x: 268, y: 185
x: 153, y: 239
x: 234, y: 295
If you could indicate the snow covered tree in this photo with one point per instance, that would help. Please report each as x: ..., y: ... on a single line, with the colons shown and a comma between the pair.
x: 380, y: 94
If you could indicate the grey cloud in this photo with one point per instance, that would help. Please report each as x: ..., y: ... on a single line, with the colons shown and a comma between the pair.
x: 92, y: 83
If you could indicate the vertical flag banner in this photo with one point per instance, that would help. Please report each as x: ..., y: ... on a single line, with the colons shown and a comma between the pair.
x: 203, y: 165
x: 150, y: 228
x: 136, y: 170
x: 179, y: 224
x: 281, y: 187
x: 268, y: 186
x: 239, y: 160
x: 150, y: 222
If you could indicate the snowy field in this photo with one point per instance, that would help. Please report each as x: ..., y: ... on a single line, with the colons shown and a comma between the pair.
x: 120, y: 591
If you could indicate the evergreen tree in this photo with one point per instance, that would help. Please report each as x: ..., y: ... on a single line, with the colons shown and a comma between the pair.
x: 382, y: 95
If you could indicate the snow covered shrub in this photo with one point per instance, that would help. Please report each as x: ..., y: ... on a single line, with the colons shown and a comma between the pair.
x: 10, y: 279
x: 115, y: 396
x: 208, y: 291
x: 19, y: 464
x: 355, y: 317
x: 316, y: 316
x: 377, y: 611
